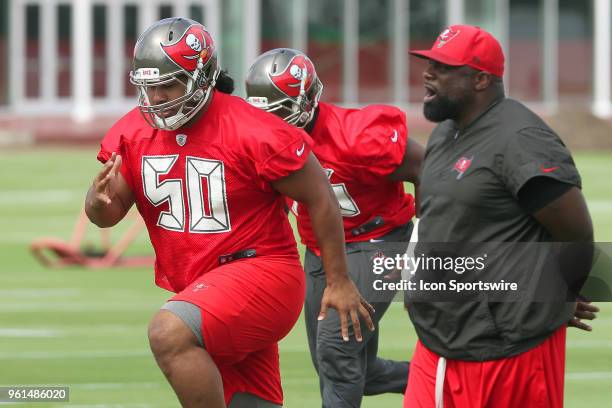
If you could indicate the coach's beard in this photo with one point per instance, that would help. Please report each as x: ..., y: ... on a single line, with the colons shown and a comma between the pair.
x: 442, y: 108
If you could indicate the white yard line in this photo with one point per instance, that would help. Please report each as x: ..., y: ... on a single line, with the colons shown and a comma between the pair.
x: 29, y: 333
x: 113, y: 386
x: 588, y: 376
x: 600, y: 205
x: 131, y: 405
x: 38, y: 293
x: 588, y: 344
x: 20, y: 197
x: 81, y: 354
x: 68, y: 331
x: 78, y: 307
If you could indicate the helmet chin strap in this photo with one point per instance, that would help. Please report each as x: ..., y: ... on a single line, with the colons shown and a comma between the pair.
x: 304, y: 117
x: 302, y: 95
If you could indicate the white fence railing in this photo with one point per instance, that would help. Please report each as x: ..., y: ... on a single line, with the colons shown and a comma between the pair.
x: 81, y: 103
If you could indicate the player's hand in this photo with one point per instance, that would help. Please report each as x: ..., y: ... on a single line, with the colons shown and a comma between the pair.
x: 346, y: 299
x: 103, y: 184
x: 583, y: 311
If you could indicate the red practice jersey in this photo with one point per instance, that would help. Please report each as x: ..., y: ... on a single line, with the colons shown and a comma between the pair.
x: 359, y: 149
x: 205, y: 191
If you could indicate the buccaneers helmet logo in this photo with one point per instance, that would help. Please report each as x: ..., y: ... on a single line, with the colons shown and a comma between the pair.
x: 290, y: 79
x: 195, y: 43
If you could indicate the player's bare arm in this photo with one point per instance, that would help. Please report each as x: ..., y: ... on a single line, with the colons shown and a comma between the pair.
x: 310, y: 186
x: 567, y: 219
x: 109, y: 198
x: 410, y: 168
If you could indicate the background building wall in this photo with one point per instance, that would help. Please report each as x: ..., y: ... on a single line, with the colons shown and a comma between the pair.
x: 360, y: 47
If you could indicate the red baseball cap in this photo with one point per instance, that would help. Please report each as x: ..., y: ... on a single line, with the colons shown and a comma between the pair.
x: 466, y: 45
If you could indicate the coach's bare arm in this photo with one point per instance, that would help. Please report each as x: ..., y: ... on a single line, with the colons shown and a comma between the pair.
x: 567, y: 219
x: 310, y: 186
x: 109, y: 198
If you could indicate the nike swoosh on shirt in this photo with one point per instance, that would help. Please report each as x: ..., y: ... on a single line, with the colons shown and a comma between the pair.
x: 548, y: 169
x: 300, y: 151
x: 394, y: 137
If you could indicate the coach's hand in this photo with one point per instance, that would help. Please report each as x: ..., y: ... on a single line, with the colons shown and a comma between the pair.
x: 346, y: 299
x: 583, y: 311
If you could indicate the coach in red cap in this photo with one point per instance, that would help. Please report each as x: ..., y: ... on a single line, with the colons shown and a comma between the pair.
x: 493, y: 172
x: 467, y: 45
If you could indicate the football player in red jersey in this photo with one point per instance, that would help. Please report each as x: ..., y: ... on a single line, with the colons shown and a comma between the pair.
x: 208, y: 173
x: 367, y: 155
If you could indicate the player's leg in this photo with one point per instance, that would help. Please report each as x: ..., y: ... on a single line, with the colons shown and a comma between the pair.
x: 192, y: 317
x: 382, y: 375
x: 343, y: 366
x: 246, y: 308
x: 182, y: 358
x: 315, y: 285
x: 265, y: 366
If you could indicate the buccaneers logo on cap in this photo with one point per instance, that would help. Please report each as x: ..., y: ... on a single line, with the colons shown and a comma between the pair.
x: 289, y: 81
x: 446, y: 36
x: 195, y: 43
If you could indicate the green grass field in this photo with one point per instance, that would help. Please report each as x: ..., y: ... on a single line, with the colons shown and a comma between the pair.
x: 87, y: 329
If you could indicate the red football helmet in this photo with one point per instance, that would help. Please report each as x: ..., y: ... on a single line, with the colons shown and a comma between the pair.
x: 174, y: 50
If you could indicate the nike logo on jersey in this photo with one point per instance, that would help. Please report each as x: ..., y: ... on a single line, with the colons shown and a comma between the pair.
x: 395, y: 136
x: 300, y: 151
x: 548, y: 169
x: 200, y: 286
